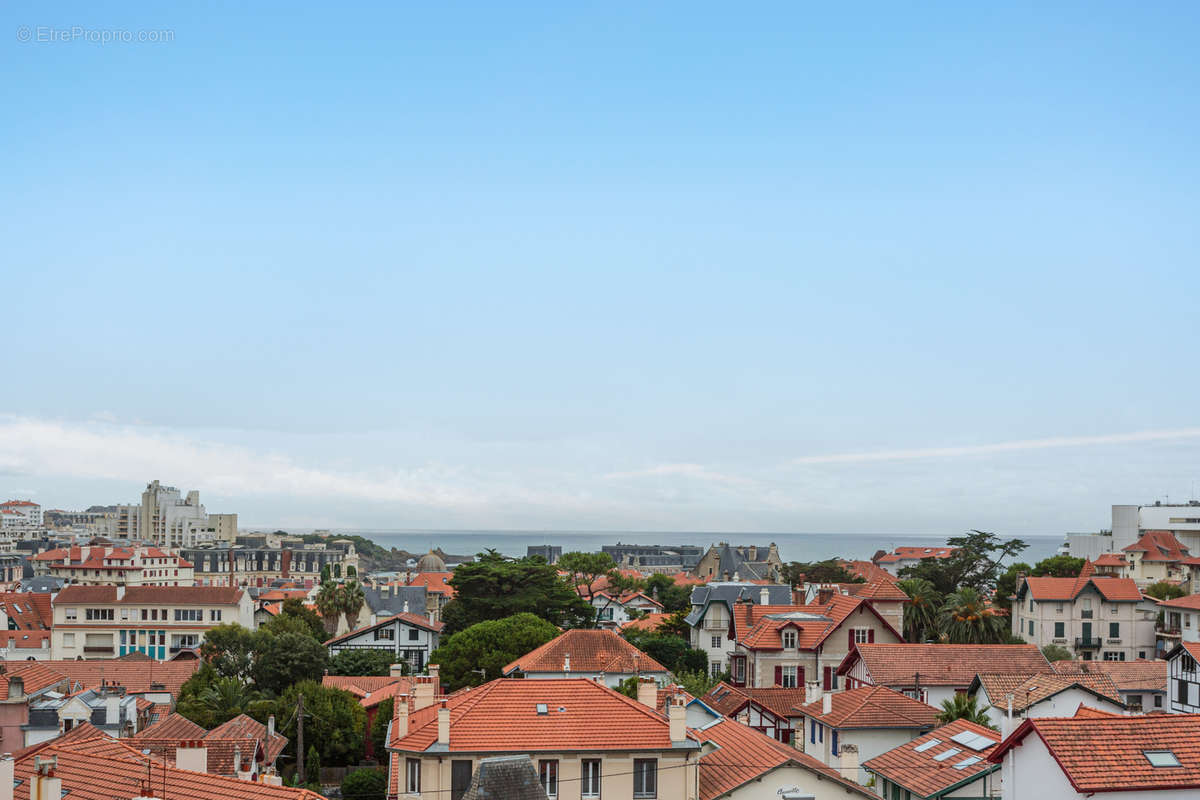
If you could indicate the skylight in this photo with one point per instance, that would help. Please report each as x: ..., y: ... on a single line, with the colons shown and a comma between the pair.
x: 921, y: 748
x: 973, y: 740
x: 1161, y: 758
x: 951, y: 753
x: 968, y: 761
x: 541, y: 708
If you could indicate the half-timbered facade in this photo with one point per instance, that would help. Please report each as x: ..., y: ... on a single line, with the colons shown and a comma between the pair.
x: 1183, y: 678
x: 411, y: 637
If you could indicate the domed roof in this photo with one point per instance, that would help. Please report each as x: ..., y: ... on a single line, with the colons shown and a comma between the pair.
x: 431, y: 562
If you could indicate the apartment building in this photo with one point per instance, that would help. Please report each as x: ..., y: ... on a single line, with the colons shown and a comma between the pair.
x: 252, y: 561
x: 96, y: 565
x: 1096, y: 617
x: 20, y: 515
x: 585, y: 739
x: 159, y: 621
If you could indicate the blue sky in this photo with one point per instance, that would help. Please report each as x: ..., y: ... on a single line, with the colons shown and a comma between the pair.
x: 694, y: 266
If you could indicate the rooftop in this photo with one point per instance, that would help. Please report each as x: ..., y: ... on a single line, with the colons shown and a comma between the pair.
x: 872, y: 707
x: 903, y: 665
x: 590, y: 651
x: 938, y: 760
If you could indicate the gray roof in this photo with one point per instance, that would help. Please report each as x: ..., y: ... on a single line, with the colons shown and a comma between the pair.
x: 733, y: 561
x: 778, y: 594
x: 389, y: 600
x: 42, y: 583
x: 505, y: 778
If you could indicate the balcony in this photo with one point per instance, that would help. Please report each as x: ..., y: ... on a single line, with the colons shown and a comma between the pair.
x: 1086, y: 643
x: 1167, y: 633
x: 1086, y: 614
x: 98, y: 649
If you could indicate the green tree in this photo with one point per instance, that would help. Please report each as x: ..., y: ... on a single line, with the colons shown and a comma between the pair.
x: 489, y: 646
x: 364, y: 662
x: 629, y: 686
x: 1162, y: 590
x: 963, y: 707
x: 495, y: 587
x: 974, y: 564
x: 312, y: 765
x: 673, y: 597
x: 1006, y: 583
x: 1059, y: 567
x: 1056, y: 652
x: 352, y: 600
x: 326, y: 575
x: 365, y: 784
x: 379, y: 725
x: 584, y: 570
x: 828, y: 571
x: 351, y: 572
x: 285, y: 659
x: 676, y: 625
x: 968, y: 618
x: 226, y: 698
x: 329, y: 601
x: 922, y: 609
x: 229, y: 648
x: 189, y: 704
x: 673, y: 652
x: 334, y: 721
x: 295, y: 617
x: 698, y: 683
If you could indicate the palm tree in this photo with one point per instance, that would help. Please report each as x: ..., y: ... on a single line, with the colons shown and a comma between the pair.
x: 226, y: 698
x: 963, y: 707
x: 329, y: 601
x: 921, y: 611
x: 968, y: 618
x: 352, y: 600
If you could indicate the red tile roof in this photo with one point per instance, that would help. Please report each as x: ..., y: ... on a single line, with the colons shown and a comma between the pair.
x: 1111, y: 588
x: 1110, y: 560
x: 1104, y: 754
x: 1141, y: 675
x: 743, y: 755
x: 370, y: 690
x: 650, y: 622
x: 921, y: 773
x: 502, y: 716
x: 138, y: 677
x: 35, y: 676
x: 29, y: 611
x: 881, y: 590
x: 243, y: 727
x: 872, y: 707
x: 729, y: 700
x: 868, y: 571
x: 1028, y: 690
x: 908, y: 553
x: 136, y: 595
x: 434, y: 582
x: 1158, y: 546
x: 416, y: 620
x: 172, y: 727
x: 813, y: 623
x: 592, y: 651
x: 942, y: 664
x: 1190, y: 602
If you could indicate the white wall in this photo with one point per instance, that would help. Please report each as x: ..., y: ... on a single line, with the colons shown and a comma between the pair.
x: 772, y: 786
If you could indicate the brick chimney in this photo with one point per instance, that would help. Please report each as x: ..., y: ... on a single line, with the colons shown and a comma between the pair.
x: 647, y: 692
x: 443, y: 724
x: 400, y: 715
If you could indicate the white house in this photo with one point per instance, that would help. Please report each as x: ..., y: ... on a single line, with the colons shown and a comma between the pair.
x: 1144, y: 756
x: 612, y: 609
x: 1043, y: 695
x: 411, y: 637
x: 1183, y: 678
x: 711, y: 616
x: 948, y: 762
x: 587, y: 653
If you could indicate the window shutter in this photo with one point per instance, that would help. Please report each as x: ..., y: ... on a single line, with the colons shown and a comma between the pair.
x: 779, y: 676
x: 871, y: 636
x: 851, y: 634
x: 827, y: 683
x: 800, y: 677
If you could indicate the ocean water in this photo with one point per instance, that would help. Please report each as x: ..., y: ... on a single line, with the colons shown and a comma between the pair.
x: 792, y: 546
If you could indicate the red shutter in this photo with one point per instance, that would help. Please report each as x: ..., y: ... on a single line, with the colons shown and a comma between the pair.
x: 871, y: 636
x: 779, y: 676
x: 800, y: 677
x: 827, y: 682
x: 851, y: 645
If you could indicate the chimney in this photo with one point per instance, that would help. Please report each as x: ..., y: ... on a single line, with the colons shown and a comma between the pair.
x: 677, y: 718
x: 396, y: 670
x: 647, y: 692
x: 374, y: 619
x: 237, y: 760
x: 112, y: 709
x: 566, y: 662
x: 120, y: 592
x: 422, y: 693
x: 270, y: 727
x: 434, y: 671
x: 44, y: 784
x: 443, y: 724
x: 272, y: 780
x: 826, y: 703
x: 16, y: 688
x: 405, y: 606
x: 813, y: 692
x: 192, y: 755
x: 764, y: 597
x: 849, y: 753
x: 400, y: 715
x: 7, y: 775
x: 824, y: 595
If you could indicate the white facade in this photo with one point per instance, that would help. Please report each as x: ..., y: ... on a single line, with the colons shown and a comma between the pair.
x: 409, y: 641
x: 1062, y: 704
x: 819, y: 742
x: 613, y: 612
x: 1129, y: 522
x: 1089, y: 625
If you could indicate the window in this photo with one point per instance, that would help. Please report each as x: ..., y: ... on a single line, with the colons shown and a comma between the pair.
x: 548, y: 777
x: 645, y: 777
x: 214, y: 615
x: 1058, y: 609
x: 385, y: 634
x: 1031, y: 603
x: 1110, y: 655
x: 1031, y: 627
x: 124, y: 613
x: 413, y: 774
x: 812, y: 733
x: 1158, y: 701
x: 589, y: 778
x: 413, y: 634
x: 98, y: 614
x: 716, y: 642
x: 1161, y: 758
x: 1181, y: 690
x: 789, y: 678
x: 1189, y: 663
x: 1060, y: 630
x: 862, y: 635
x: 714, y: 669
x: 1114, y: 630
x: 70, y: 614
x: 833, y: 741
x: 789, y: 640
x: 69, y: 641
x: 189, y: 615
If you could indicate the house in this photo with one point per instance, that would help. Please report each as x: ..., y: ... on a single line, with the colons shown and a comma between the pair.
x: 588, y: 653
x: 373, y: 690
x: 159, y: 621
x: 1006, y: 696
x: 903, y: 557
x: 1097, y: 617
x: 741, y: 763
x: 648, y: 623
x: 769, y: 710
x: 411, y: 637
x: 794, y: 646
x: 935, y: 672
x: 108, y: 708
x: 725, y: 562
x: 438, y: 590
x: 137, y: 565
x: 580, y: 734
x: 612, y: 608
x: 1142, y: 684
x: 711, y: 617
x: 1111, y: 565
x: 1184, y: 678
x: 507, y: 777
x: 948, y: 762
x: 1157, y: 556
x: 240, y: 747
x: 393, y: 598
x: 1151, y: 756
x: 87, y: 764
x: 841, y: 729
x: 1180, y: 621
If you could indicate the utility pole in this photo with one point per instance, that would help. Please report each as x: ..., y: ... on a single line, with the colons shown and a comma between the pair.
x: 300, y: 739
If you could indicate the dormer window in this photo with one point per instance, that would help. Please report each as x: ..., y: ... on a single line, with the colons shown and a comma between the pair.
x: 789, y: 640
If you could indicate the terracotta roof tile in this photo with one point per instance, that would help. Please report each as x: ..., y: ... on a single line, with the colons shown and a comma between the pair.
x: 1158, y: 546
x: 729, y: 700
x: 743, y: 755
x: 943, y: 664
x: 1099, y: 754
x: 138, y: 677
x: 1110, y: 588
x: 650, y: 622
x: 592, y: 651
x: 1028, y: 690
x: 173, y: 727
x: 914, y: 765
x: 872, y: 707
x: 1141, y: 675
x: 135, y: 595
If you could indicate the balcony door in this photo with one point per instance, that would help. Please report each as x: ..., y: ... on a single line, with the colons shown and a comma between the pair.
x: 1087, y: 634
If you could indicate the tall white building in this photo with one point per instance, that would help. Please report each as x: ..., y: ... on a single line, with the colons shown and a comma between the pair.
x: 1129, y: 522
x: 168, y: 519
x: 23, y: 514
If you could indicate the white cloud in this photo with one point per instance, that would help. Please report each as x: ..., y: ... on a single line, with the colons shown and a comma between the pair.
x: 694, y: 471
x: 1000, y: 447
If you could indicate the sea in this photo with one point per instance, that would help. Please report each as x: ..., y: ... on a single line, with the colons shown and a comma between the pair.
x: 792, y: 546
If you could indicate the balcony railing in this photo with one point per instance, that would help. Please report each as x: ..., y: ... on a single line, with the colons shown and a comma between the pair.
x: 1059, y: 640
x: 1086, y: 642
x: 1111, y: 640
x: 1086, y: 614
x: 1168, y: 633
